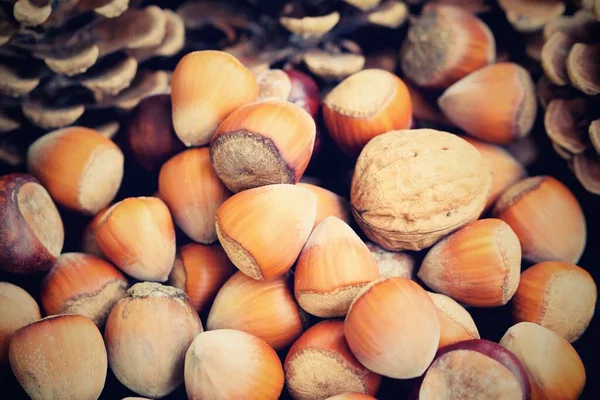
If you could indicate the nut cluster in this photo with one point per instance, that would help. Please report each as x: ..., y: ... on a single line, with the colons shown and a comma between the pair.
x: 241, y: 278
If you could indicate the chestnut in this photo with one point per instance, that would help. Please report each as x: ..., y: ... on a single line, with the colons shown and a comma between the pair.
x: 320, y: 364
x: 59, y: 357
x: 229, y: 364
x: 30, y: 225
x: 147, y: 335
x: 150, y: 132
x: 475, y: 369
x: 17, y: 309
x: 83, y: 284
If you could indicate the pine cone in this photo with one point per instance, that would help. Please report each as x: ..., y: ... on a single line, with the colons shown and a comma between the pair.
x: 568, y: 48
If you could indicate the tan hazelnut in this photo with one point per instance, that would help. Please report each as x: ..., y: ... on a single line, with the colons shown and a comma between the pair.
x: 456, y: 324
x: 554, y: 367
x: 147, y: 335
x: 393, y: 263
x: 412, y: 187
x: 59, y: 357
x: 558, y: 296
x: 17, y: 309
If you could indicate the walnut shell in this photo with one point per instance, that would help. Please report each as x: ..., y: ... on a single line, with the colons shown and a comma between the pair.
x: 413, y: 187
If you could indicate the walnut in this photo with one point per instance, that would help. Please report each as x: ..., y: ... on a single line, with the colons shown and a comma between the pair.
x: 413, y: 187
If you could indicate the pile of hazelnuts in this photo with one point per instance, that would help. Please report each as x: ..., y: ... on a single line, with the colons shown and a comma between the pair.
x: 301, y: 290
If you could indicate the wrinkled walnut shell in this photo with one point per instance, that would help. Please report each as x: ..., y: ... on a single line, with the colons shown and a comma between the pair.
x: 412, y: 187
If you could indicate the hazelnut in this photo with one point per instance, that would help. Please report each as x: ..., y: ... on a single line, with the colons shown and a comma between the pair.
x: 83, y: 284
x: 558, y: 296
x: 467, y: 370
x: 253, y: 227
x: 478, y: 265
x: 328, y: 204
x: 392, y: 263
x: 506, y: 170
x: 379, y: 336
x: 30, y: 225
x: 206, y: 87
x: 332, y: 268
x: 147, y: 335
x: 262, y: 143
x: 546, y: 217
x: 138, y: 236
x: 189, y: 186
x: 320, y: 364
x: 230, y: 364
x: 445, y: 44
x: 89, y: 245
x: 364, y: 105
x: 456, y: 324
x: 17, y: 309
x: 554, y: 367
x: 201, y: 271
x: 496, y: 103
x: 266, y: 309
x: 150, y: 132
x: 59, y: 357
x: 413, y: 187
x: 81, y: 169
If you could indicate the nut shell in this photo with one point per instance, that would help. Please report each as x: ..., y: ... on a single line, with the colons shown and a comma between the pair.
x: 478, y: 265
x: 151, y: 366
x: 59, y: 358
x: 17, y: 309
x: 546, y: 217
x: 411, y: 188
x: 378, y: 332
x: 320, y: 364
x: 30, y: 226
x: 558, y: 296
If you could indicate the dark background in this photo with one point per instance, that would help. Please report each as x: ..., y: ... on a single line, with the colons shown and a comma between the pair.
x: 332, y: 169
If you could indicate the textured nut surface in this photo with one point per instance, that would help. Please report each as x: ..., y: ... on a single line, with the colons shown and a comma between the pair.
x: 412, y: 187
